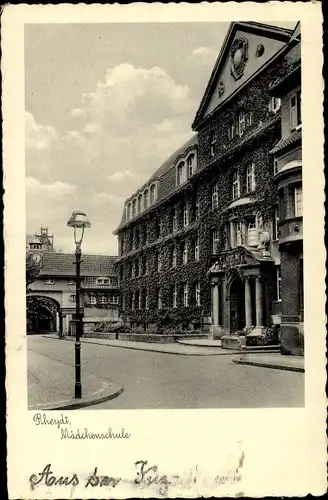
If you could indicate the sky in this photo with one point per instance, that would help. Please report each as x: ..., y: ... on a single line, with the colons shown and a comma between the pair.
x: 105, y: 106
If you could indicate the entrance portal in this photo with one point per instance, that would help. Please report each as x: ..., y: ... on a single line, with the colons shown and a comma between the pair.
x: 237, y: 305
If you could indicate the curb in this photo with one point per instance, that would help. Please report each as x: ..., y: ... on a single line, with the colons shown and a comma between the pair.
x: 110, y: 391
x: 268, y: 365
x: 149, y: 350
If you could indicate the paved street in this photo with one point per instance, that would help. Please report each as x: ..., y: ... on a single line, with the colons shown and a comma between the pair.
x: 158, y: 380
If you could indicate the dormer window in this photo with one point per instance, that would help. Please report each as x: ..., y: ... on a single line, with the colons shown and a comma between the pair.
x: 181, y: 173
x: 213, y: 141
x: 295, y: 111
x: 250, y: 178
x: 134, y: 208
x: 152, y: 194
x: 140, y: 207
x: 191, y: 165
x: 235, y: 186
x: 146, y: 199
x: 129, y: 211
x: 103, y: 281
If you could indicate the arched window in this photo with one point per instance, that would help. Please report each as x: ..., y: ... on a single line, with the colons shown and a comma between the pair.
x: 250, y: 178
x: 134, y: 207
x: 235, y: 185
x: 146, y: 199
x: 191, y: 164
x: 140, y: 207
x: 181, y: 173
x: 152, y: 194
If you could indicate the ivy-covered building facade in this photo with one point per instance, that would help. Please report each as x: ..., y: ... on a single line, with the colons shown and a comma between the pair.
x: 199, y: 243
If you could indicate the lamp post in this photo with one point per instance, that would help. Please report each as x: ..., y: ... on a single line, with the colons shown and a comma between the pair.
x: 78, y: 221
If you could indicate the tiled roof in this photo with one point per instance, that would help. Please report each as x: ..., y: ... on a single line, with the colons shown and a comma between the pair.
x: 165, y: 167
x: 63, y: 264
x: 285, y: 143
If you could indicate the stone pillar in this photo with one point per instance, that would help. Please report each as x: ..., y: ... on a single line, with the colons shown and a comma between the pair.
x: 216, y: 330
x: 215, y: 303
x: 259, y: 306
x: 248, y: 302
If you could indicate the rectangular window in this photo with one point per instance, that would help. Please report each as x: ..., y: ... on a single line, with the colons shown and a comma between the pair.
x: 197, y: 249
x: 241, y: 123
x: 174, y: 220
x: 146, y: 266
x: 278, y: 284
x: 250, y: 178
x: 133, y: 270
x: 92, y: 299
x: 49, y: 282
x: 197, y: 294
x: 197, y: 207
x: 275, y: 103
x: 103, y: 300
x: 252, y: 233
x: 295, y: 111
x: 159, y: 299
x: 73, y: 298
x: 275, y: 222
x: 139, y: 300
x: 146, y: 301
x: 215, y: 196
x: 175, y: 296
x: 159, y: 262
x: 174, y: 256
x: 239, y: 236
x: 103, y: 281
x: 114, y: 299
x: 275, y: 167
x: 185, y: 216
x: 185, y: 295
x: 133, y: 298
x: 185, y: 253
x: 235, y: 186
x: 213, y: 141
x: 298, y: 197
x: 215, y: 241
x: 231, y: 130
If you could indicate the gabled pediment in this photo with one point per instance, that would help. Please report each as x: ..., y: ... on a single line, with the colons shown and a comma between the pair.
x: 248, y: 46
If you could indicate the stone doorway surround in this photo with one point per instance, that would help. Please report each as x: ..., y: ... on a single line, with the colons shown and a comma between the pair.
x: 250, y: 266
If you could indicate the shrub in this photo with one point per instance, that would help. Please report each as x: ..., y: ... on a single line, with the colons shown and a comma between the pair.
x: 109, y: 327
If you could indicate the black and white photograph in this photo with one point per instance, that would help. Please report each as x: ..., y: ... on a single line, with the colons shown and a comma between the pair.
x: 164, y: 250
x: 164, y: 245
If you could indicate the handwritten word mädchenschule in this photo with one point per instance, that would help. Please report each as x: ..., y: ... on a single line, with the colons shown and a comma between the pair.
x: 41, y: 419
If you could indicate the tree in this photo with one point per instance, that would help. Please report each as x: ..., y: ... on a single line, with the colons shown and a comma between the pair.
x: 33, y: 268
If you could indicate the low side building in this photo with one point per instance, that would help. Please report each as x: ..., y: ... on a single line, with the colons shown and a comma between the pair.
x: 55, y: 285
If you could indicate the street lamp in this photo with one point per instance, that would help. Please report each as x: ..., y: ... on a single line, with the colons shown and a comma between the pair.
x: 78, y: 221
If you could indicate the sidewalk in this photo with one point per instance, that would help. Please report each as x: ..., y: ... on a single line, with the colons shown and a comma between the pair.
x: 272, y: 360
x: 56, y: 392
x: 172, y: 348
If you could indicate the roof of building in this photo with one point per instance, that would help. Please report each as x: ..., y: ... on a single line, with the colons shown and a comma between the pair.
x: 295, y: 137
x: 63, y: 264
x: 165, y: 167
x: 276, y: 32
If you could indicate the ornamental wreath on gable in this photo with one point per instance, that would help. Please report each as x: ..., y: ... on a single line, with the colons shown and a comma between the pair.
x: 238, y: 57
